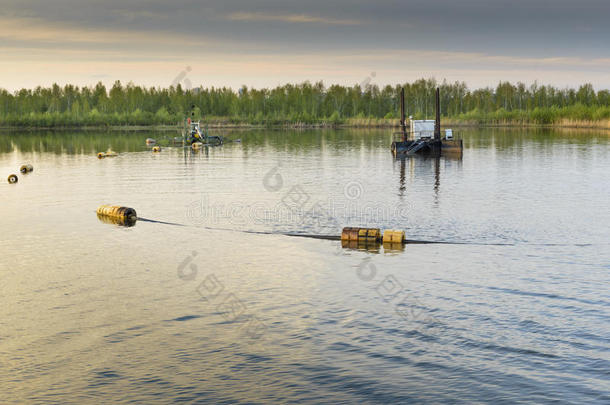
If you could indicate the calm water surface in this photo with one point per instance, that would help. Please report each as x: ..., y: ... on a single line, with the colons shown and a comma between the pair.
x: 516, y: 310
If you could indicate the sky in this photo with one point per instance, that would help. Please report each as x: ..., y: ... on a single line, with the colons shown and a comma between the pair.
x: 264, y: 43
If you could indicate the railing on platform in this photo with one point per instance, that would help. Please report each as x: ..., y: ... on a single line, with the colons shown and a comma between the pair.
x: 397, y: 136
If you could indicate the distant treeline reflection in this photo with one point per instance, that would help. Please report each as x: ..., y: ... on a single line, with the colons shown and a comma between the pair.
x: 304, y: 103
x: 90, y: 142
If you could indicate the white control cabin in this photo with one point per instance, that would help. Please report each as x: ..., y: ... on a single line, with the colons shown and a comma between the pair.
x: 422, y: 129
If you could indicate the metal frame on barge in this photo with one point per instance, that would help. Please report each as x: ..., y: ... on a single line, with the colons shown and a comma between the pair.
x: 424, y: 142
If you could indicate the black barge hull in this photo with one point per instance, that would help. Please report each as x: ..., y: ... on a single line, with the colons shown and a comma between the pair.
x: 430, y: 147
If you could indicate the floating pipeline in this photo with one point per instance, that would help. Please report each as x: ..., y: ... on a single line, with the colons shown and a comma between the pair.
x: 372, y: 235
x: 26, y: 168
x: 369, y: 239
x: 12, y: 179
x: 117, y: 215
x: 361, y: 234
x: 351, y: 238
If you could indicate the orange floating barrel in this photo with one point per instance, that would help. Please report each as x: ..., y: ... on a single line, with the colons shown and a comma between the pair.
x: 350, y: 234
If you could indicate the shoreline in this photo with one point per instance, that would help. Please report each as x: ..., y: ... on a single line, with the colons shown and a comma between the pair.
x: 601, y: 125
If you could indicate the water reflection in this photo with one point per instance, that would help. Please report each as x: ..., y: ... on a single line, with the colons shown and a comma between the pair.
x: 420, y: 165
x: 393, y: 247
x: 363, y: 246
x: 116, y: 319
x: 289, y: 141
x: 437, y: 177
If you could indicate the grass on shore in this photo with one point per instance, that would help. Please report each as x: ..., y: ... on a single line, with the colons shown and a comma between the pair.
x: 577, y: 116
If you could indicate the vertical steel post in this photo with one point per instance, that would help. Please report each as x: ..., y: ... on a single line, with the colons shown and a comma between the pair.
x: 403, y: 118
x: 437, y: 123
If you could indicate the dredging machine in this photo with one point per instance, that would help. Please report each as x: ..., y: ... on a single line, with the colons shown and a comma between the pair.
x: 194, y: 134
x: 424, y: 136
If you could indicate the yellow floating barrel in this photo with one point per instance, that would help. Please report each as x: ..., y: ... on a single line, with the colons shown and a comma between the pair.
x: 101, y: 155
x: 156, y: 149
x: 117, y: 213
x: 369, y: 234
x: 196, y: 145
x: 392, y: 236
x: 361, y: 234
x: 12, y: 179
x: 26, y: 168
x: 117, y: 220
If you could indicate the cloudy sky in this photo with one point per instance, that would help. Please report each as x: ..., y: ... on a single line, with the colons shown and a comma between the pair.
x: 263, y: 43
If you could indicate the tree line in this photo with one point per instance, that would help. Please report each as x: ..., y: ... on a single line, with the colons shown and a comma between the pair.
x: 308, y: 103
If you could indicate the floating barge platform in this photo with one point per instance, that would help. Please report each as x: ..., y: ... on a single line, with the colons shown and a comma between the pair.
x: 421, y: 138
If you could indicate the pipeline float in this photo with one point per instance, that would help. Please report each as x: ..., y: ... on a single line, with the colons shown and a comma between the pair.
x: 26, y: 168
x: 108, y: 153
x: 115, y: 214
x: 351, y: 238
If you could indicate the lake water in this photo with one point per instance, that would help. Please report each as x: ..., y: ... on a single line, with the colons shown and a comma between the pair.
x: 515, y: 309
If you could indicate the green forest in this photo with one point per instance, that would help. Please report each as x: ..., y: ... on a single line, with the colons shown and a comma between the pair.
x: 305, y: 103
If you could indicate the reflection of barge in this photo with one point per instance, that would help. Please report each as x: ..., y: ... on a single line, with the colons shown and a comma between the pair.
x: 424, y: 136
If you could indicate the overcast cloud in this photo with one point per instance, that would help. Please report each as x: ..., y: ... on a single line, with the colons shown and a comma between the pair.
x: 269, y: 42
